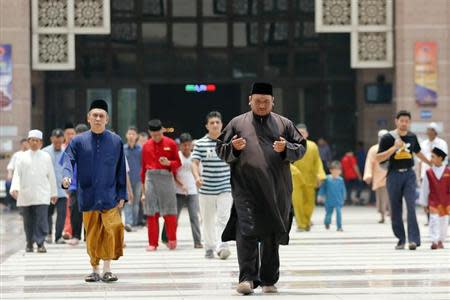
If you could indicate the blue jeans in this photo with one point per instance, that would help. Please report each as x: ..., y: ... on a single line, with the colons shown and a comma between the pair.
x: 131, y: 210
x: 403, y: 185
x: 329, y: 213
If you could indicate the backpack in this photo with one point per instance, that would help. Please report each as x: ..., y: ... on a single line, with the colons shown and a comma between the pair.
x: 385, y: 164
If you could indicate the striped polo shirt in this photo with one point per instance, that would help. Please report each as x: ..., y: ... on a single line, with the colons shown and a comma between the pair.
x: 215, y: 172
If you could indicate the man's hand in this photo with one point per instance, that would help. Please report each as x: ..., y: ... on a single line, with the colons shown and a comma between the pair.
x: 399, y: 143
x: 15, y: 194
x: 238, y: 143
x: 66, y: 182
x: 279, y: 146
x: 143, y: 198
x: 368, y: 180
x: 53, y: 200
x: 121, y: 203
x: 199, y: 182
x: 426, y: 209
x: 164, y: 161
x: 130, y: 197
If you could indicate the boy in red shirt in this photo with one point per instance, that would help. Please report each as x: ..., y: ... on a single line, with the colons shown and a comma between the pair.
x: 352, y: 176
x: 435, y: 196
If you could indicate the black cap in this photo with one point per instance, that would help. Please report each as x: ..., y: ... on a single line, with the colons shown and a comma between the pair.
x: 154, y: 125
x: 262, y: 88
x: 99, y: 103
x: 58, y: 132
x: 439, y: 152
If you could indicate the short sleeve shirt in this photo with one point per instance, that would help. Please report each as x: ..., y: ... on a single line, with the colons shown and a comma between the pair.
x: 403, y: 158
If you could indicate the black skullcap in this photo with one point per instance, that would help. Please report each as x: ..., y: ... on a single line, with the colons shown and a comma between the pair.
x: 69, y: 125
x: 439, y: 152
x: 262, y: 88
x: 58, y: 132
x: 99, y: 103
x: 154, y: 125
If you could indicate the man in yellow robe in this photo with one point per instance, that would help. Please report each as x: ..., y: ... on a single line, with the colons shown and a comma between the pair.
x: 305, y: 184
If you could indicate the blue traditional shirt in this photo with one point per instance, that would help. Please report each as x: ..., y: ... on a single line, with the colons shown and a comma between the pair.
x: 134, y: 158
x: 101, y: 172
x: 333, y: 189
x: 56, y: 157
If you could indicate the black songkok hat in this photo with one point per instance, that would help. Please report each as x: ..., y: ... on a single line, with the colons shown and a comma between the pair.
x: 439, y: 152
x: 99, y: 103
x: 262, y: 88
x: 154, y: 125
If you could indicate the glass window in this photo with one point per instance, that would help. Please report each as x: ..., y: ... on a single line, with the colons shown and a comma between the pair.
x: 184, y: 34
x: 275, y: 6
x: 154, y: 34
x: 126, y: 110
x: 277, y: 64
x: 124, y: 64
x: 154, y: 7
x: 215, y: 34
x: 308, y: 64
x: 245, y: 7
x: 216, y: 65
x: 123, y: 33
x: 184, y: 64
x: 276, y: 33
x: 245, y: 65
x: 214, y: 8
x: 93, y: 63
x: 184, y: 8
x: 305, y: 32
x: 156, y: 65
x: 245, y: 34
x: 105, y: 94
x: 304, y: 6
x: 122, y: 8
x: 338, y: 63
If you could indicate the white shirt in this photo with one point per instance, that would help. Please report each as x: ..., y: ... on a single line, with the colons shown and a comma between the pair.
x: 425, y: 190
x: 427, y: 146
x: 12, y: 162
x: 184, y: 174
x: 34, y: 178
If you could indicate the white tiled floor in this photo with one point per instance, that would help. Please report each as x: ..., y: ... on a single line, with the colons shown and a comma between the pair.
x: 359, y: 263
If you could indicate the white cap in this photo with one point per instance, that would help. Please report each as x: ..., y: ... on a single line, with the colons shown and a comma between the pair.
x: 433, y: 126
x: 37, y: 134
x: 382, y: 132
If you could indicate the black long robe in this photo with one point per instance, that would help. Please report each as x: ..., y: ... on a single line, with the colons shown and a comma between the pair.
x: 260, y: 177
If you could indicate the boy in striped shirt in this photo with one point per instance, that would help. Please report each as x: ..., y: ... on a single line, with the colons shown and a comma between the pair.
x: 214, y: 187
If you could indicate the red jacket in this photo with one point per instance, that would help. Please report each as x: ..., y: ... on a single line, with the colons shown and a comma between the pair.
x: 439, y: 197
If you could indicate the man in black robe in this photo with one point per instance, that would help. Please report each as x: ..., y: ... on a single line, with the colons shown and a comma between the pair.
x: 259, y: 146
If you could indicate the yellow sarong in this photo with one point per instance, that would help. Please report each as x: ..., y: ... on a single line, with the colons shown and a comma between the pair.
x: 104, y: 235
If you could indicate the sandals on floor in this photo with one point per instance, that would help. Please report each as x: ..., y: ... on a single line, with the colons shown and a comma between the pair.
x: 93, y: 277
x: 109, y: 277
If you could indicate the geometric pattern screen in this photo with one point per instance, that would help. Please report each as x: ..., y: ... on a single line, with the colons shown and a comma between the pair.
x: 55, y: 24
x: 370, y: 24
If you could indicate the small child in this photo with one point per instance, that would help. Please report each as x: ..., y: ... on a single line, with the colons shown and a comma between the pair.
x: 333, y: 190
x: 435, y: 197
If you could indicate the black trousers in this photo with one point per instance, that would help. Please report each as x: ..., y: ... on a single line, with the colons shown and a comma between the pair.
x: 76, y: 216
x: 60, y: 207
x: 259, y: 259
x: 35, y: 223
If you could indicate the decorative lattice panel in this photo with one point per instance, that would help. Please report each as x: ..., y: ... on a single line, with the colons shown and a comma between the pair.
x: 55, y: 24
x: 370, y: 24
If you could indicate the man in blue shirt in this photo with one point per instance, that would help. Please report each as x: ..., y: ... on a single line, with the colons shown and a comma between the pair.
x: 102, y: 189
x: 56, y: 152
x: 133, y: 153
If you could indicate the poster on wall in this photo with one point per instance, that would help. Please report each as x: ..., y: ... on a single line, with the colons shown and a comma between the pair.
x: 425, y: 72
x: 5, y: 78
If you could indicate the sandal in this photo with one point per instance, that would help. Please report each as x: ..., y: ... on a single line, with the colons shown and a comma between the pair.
x: 109, y: 277
x: 93, y: 277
